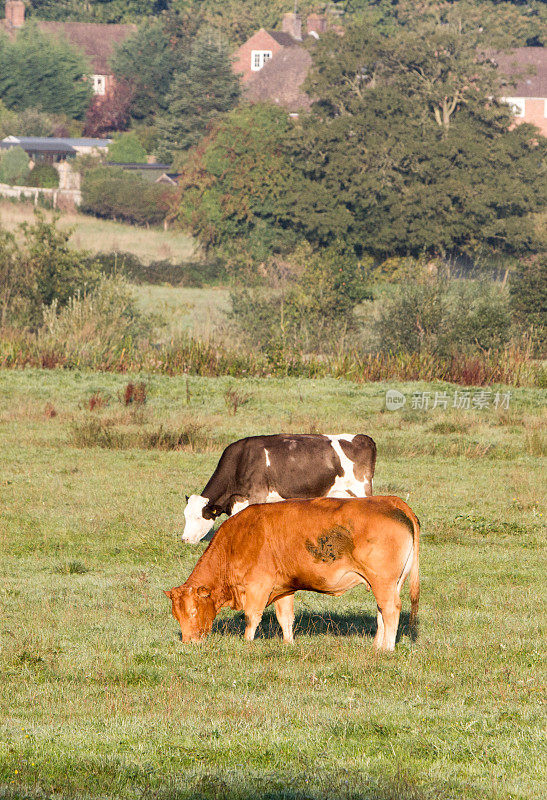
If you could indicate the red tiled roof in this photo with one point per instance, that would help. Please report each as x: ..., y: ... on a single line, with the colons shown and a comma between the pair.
x: 530, y: 65
x: 95, y: 39
x: 283, y: 38
x: 280, y: 80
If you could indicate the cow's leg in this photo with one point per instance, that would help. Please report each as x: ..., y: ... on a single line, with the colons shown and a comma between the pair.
x: 284, y: 611
x: 255, y: 603
x: 389, y: 609
x: 379, y: 638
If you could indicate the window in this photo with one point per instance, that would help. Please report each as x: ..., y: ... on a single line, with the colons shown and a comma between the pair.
x: 517, y: 105
x: 259, y: 58
x: 99, y: 84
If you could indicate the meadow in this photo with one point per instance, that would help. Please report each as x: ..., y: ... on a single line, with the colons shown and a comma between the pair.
x: 102, y: 235
x: 99, y: 697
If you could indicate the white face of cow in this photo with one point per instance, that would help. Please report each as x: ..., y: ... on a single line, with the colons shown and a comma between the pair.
x: 196, y: 526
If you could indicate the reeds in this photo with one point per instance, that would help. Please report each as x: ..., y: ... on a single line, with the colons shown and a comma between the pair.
x: 512, y: 365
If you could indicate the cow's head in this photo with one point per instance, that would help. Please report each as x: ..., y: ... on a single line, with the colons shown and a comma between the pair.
x: 194, y: 610
x: 198, y: 519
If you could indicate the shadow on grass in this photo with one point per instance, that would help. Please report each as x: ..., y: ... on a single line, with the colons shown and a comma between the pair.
x: 308, y: 623
x: 237, y: 785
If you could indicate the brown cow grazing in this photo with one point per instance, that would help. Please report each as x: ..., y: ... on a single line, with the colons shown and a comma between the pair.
x: 266, y: 552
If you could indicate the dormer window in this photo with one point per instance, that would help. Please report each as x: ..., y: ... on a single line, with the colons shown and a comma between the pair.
x: 99, y: 84
x: 259, y: 58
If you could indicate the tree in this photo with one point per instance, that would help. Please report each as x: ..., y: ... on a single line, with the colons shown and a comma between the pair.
x: 206, y: 89
x: 148, y: 59
x: 308, y: 305
x: 14, y: 166
x: 8, y: 121
x: 238, y: 21
x: 43, y: 73
x: 96, y: 10
x: 126, y: 149
x: 112, y: 192
x: 37, y: 267
x: 109, y: 112
x: 528, y: 293
x: 238, y: 191
x: 407, y: 134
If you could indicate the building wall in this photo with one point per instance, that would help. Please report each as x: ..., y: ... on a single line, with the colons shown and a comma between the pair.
x: 530, y: 109
x: 535, y: 109
x: 261, y: 40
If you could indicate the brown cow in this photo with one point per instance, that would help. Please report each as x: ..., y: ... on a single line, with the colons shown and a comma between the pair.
x: 266, y: 552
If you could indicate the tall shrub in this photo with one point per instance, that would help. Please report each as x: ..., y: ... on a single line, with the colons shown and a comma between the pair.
x: 38, y: 71
x: 443, y: 317
x: 114, y: 193
x: 14, y: 166
x: 126, y: 149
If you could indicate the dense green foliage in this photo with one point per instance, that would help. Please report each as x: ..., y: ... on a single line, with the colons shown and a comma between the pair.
x: 95, y: 10
x: 126, y: 149
x: 38, y: 268
x: 307, y: 308
x: 239, y: 189
x: 148, y: 60
x: 205, y: 90
x: 406, y: 151
x: 44, y: 176
x: 524, y: 19
x: 528, y: 293
x: 106, y: 314
x: 442, y: 317
x: 33, y: 122
x: 405, y: 134
x: 14, y: 166
x: 114, y: 193
x: 41, y: 72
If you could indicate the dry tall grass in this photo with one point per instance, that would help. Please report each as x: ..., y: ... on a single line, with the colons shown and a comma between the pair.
x: 512, y: 366
x: 98, y: 235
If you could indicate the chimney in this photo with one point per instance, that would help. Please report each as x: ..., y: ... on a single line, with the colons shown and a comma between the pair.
x: 292, y: 24
x: 316, y: 24
x: 15, y: 13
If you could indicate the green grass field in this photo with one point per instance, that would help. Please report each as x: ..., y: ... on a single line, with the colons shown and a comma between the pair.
x: 100, y: 699
x: 185, y: 309
x: 103, y: 235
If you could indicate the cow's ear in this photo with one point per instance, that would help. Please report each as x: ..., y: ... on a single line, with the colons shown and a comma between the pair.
x: 203, y: 591
x: 168, y: 593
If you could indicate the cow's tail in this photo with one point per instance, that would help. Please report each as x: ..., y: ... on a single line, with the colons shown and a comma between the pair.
x: 415, y: 578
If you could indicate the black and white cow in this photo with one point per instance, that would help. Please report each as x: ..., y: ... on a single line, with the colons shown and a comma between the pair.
x: 264, y: 469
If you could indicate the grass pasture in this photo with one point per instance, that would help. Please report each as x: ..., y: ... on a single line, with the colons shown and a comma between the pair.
x: 100, y: 699
x: 103, y: 235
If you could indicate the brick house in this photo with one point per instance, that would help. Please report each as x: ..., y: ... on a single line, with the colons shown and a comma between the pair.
x: 273, y: 64
x: 95, y: 40
x: 529, y: 93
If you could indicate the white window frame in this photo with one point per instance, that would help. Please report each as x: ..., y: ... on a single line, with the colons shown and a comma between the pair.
x: 99, y: 84
x: 518, y: 105
x: 259, y: 58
